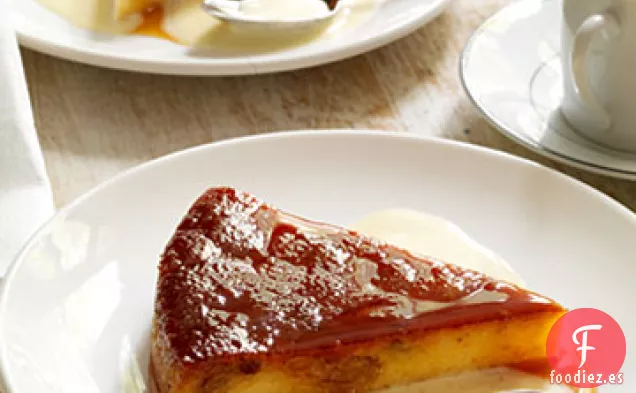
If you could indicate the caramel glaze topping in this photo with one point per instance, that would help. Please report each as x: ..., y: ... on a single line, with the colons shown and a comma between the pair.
x: 240, y: 277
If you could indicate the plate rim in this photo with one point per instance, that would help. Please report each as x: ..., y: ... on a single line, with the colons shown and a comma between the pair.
x: 6, y: 281
x: 237, y: 66
x: 507, y: 131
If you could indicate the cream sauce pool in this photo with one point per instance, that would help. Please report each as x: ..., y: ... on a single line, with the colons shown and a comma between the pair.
x: 435, y: 237
x: 284, y: 9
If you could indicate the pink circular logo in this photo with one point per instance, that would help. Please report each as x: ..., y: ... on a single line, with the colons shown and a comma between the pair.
x: 586, y: 349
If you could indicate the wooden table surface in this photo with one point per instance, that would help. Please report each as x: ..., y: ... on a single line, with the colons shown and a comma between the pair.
x: 94, y: 123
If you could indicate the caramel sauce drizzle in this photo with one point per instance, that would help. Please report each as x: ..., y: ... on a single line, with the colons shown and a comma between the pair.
x: 152, y: 24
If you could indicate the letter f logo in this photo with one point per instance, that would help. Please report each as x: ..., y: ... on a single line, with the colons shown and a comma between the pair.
x: 583, y: 343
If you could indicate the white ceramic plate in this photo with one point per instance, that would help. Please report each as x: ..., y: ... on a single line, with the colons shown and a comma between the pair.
x: 76, y: 308
x: 44, y: 31
x: 512, y: 71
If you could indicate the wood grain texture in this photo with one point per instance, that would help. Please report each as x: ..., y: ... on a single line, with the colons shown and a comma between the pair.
x: 95, y: 123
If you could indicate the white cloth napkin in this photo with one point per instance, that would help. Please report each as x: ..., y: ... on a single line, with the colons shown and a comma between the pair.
x: 25, y: 194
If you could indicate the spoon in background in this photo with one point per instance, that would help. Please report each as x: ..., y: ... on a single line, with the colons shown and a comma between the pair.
x: 298, y: 15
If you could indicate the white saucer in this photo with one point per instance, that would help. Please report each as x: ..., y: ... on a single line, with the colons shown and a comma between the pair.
x: 76, y: 308
x: 511, y: 70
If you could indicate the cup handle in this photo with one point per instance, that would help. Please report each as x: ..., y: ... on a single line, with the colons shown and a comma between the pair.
x: 599, y: 25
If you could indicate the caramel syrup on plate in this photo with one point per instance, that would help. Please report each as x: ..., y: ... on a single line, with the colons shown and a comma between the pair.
x: 152, y: 24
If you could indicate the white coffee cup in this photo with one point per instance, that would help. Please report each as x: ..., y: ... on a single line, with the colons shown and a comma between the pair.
x: 599, y: 69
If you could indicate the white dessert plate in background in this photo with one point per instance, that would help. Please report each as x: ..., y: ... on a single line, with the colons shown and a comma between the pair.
x: 76, y: 309
x: 511, y: 69
x: 42, y: 30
